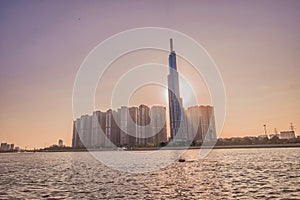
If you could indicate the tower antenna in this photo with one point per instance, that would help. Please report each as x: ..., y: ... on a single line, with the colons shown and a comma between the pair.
x: 292, y: 127
x: 171, y: 44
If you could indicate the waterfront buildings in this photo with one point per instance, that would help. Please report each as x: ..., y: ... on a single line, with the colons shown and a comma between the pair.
x: 145, y: 126
x: 126, y: 126
x: 139, y: 126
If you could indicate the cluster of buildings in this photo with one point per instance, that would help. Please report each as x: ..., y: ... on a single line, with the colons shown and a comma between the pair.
x: 283, y: 135
x: 145, y: 126
x: 7, y: 147
x: 140, y: 126
x: 126, y: 126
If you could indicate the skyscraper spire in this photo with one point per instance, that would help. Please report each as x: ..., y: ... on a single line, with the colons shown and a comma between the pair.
x: 171, y: 44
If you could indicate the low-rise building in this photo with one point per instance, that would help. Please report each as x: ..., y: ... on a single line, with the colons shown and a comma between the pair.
x: 262, y: 137
x: 288, y: 135
x: 6, y: 147
x: 274, y: 135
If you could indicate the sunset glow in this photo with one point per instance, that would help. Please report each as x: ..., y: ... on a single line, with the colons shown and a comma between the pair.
x: 255, y: 46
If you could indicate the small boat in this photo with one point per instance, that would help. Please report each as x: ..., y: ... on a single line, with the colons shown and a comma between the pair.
x: 121, y: 149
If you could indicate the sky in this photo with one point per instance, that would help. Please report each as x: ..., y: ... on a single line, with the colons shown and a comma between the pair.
x: 255, y: 44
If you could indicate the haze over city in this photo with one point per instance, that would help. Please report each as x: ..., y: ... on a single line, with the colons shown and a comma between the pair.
x: 254, y: 44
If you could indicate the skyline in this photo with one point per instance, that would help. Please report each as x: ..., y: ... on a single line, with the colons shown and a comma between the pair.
x: 255, y: 45
x: 142, y: 126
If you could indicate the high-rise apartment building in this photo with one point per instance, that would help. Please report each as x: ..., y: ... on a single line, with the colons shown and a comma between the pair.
x: 123, y: 114
x: 85, y: 130
x: 158, y: 128
x: 98, y: 129
x: 132, y: 126
x: 201, y: 123
x: 112, y: 131
x: 194, y: 131
x: 143, y: 122
x: 207, y: 122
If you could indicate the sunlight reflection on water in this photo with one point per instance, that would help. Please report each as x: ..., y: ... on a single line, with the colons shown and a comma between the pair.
x: 230, y: 174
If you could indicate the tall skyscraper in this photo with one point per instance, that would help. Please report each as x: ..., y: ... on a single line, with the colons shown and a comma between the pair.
x: 175, y: 101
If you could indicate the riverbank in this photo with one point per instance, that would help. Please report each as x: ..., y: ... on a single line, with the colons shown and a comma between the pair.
x: 222, y: 147
x: 295, y: 145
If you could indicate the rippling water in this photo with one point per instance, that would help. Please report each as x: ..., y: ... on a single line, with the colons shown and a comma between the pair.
x: 224, y: 174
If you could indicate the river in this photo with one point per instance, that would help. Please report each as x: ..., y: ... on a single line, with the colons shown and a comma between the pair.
x: 265, y: 173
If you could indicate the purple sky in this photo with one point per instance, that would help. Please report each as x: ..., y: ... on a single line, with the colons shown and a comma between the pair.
x: 255, y: 44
